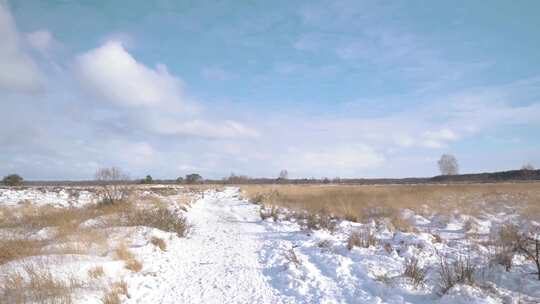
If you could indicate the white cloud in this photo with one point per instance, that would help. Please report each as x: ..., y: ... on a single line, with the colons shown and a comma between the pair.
x: 113, y: 74
x: 41, y: 40
x: 18, y: 72
x: 154, y: 99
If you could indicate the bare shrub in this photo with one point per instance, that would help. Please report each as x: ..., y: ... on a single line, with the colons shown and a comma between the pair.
x: 414, y: 271
x: 460, y: 271
x: 159, y: 242
x: 159, y: 218
x: 448, y: 164
x: 112, y: 182
x: 505, y: 245
x: 529, y: 245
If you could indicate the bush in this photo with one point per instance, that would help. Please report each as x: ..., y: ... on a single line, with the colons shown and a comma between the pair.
x: 505, y: 245
x: 159, y: 218
x: 12, y: 180
x: 529, y: 245
x: 193, y: 178
x: 147, y: 180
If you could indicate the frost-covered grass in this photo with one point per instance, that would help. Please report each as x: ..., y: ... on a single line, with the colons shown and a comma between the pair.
x: 60, y: 245
x: 456, y: 244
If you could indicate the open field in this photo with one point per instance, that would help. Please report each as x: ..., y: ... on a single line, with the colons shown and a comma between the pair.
x: 360, y: 202
x: 463, y: 242
x: 466, y: 243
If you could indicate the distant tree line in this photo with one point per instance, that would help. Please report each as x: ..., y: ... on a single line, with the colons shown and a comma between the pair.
x: 447, y: 164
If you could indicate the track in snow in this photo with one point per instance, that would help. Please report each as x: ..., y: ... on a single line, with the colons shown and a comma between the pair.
x: 218, y: 262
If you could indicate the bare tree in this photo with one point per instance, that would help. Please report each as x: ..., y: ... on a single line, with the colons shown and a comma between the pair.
x: 527, y: 166
x: 529, y: 245
x: 448, y: 164
x: 113, y: 185
x: 283, y: 174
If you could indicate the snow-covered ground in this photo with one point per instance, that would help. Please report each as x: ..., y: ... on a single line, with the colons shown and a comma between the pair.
x: 232, y: 256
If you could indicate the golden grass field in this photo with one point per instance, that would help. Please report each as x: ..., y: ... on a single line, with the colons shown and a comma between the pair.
x: 357, y: 202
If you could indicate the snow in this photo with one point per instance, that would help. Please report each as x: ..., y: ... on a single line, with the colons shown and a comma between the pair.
x: 232, y: 256
x: 218, y: 263
x: 53, y: 196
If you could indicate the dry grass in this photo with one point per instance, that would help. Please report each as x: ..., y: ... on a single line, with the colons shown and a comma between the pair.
x: 113, y: 295
x: 64, y: 234
x: 36, y: 284
x: 361, y: 202
x: 123, y: 253
x: 17, y: 249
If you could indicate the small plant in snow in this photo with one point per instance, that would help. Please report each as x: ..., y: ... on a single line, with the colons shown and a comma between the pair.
x: 460, y: 271
x: 414, y: 271
x: 361, y: 238
x: 274, y: 212
x: 159, y: 242
x: 264, y: 213
x: 324, y: 244
x: 291, y: 257
x: 96, y: 272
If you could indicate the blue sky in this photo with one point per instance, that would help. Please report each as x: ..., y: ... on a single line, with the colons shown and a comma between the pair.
x: 323, y: 89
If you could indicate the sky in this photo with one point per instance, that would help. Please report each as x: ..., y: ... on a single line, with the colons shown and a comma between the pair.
x: 320, y: 88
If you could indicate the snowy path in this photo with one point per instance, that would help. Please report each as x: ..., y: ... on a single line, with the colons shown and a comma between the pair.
x: 218, y: 263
